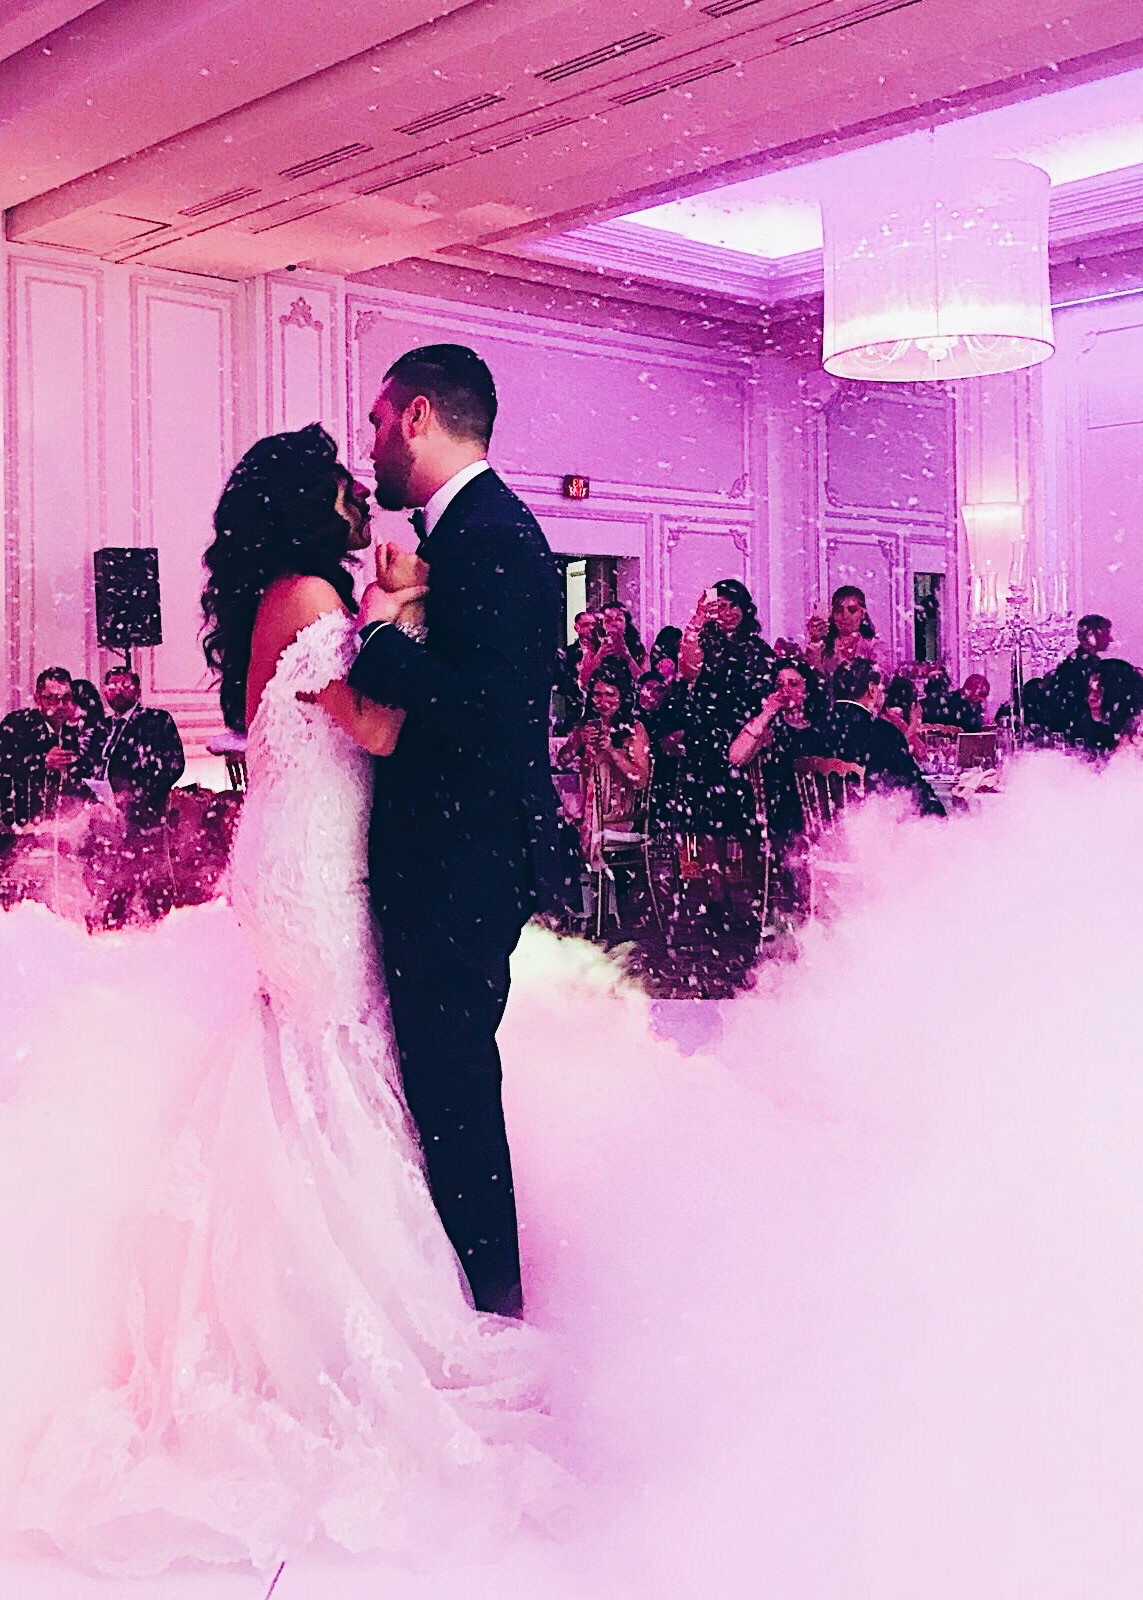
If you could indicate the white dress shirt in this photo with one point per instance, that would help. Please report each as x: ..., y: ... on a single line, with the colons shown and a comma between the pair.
x: 437, y: 503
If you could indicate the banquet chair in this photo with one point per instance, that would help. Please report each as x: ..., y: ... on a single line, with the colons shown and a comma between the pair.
x: 232, y: 748
x: 826, y: 788
x: 765, y: 855
x: 626, y: 846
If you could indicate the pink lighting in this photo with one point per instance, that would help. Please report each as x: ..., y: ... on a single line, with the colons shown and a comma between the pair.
x: 996, y: 548
x: 944, y: 276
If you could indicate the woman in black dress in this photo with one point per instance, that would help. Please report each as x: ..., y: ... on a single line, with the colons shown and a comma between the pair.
x: 785, y: 728
x: 729, y: 667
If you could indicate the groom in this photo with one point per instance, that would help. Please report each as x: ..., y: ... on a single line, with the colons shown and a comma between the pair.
x: 464, y: 844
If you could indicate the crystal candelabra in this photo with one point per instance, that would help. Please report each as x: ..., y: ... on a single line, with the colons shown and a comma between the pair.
x: 1036, y: 637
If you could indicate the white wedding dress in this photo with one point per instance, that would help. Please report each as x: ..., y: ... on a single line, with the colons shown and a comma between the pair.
x: 297, y: 1361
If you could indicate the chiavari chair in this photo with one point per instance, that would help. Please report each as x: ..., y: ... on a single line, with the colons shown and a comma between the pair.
x: 826, y: 788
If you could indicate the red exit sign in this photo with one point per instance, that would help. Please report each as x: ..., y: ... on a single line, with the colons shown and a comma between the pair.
x: 577, y: 488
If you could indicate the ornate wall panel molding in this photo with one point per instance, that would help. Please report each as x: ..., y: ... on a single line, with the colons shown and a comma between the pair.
x: 654, y: 417
x: 874, y: 565
x: 886, y: 474
x: 889, y: 453
x: 55, y: 488
x: 1093, y: 426
x: 695, y: 555
x: 187, y: 439
x: 304, y: 354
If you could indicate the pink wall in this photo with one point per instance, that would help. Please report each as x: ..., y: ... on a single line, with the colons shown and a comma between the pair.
x: 130, y: 394
x: 1093, y: 432
x: 664, y: 430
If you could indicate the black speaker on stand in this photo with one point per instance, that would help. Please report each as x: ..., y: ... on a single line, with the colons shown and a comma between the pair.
x: 128, y: 612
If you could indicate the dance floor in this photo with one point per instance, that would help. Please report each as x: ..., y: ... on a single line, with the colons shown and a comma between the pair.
x: 842, y: 1275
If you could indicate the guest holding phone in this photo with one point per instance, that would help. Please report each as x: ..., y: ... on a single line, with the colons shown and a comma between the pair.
x: 729, y: 668
x: 40, y: 747
x: 613, y: 753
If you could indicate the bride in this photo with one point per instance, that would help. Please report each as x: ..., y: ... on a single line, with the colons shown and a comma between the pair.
x: 298, y: 1360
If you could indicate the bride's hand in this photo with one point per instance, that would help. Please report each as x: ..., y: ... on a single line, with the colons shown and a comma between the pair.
x: 399, y: 569
x: 387, y: 605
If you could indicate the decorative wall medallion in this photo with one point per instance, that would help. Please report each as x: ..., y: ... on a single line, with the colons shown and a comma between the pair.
x: 366, y: 321
x: 300, y: 315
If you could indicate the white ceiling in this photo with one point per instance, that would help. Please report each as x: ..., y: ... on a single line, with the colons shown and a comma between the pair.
x: 236, y: 136
x: 1074, y: 134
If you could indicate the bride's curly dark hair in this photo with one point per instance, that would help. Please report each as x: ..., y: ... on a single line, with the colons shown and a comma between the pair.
x: 276, y: 516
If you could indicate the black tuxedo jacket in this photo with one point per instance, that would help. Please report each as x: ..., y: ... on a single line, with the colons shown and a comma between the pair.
x: 142, y: 758
x: 28, y: 791
x: 851, y: 733
x: 464, y: 840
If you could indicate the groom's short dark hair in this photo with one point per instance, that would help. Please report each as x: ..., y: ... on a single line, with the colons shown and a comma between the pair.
x: 456, y: 381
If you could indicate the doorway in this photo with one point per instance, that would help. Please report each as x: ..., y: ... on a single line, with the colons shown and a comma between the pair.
x: 927, y: 596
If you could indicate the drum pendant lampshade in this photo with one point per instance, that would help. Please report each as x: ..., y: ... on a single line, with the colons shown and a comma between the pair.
x: 942, y: 275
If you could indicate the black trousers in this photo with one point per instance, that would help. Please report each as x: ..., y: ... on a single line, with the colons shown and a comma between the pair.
x: 447, y: 1004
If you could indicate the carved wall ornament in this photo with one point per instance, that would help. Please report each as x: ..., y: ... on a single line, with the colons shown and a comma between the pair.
x: 365, y: 322
x: 300, y: 315
x: 737, y: 490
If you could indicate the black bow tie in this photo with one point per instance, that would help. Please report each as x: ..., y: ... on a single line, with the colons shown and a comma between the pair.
x: 417, y: 523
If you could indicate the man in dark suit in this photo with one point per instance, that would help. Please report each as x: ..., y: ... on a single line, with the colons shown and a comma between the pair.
x: 137, y: 750
x: 41, y: 748
x: 139, y: 754
x: 1068, y: 688
x: 464, y: 844
x: 855, y: 731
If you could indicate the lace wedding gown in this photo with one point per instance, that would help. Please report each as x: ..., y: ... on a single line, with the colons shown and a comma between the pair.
x: 298, y: 1360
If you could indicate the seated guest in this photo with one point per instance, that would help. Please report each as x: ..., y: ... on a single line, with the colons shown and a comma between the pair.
x: 1036, y: 709
x: 902, y: 708
x: 785, y: 728
x: 1111, y: 710
x: 567, y: 693
x: 853, y: 731
x: 938, y: 708
x: 40, y: 747
x: 1066, y: 688
x: 620, y: 642
x: 1037, y: 712
x: 849, y: 634
x: 140, y: 756
x: 662, y: 711
x: 612, y: 749
x: 969, y: 702
x: 1091, y: 729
